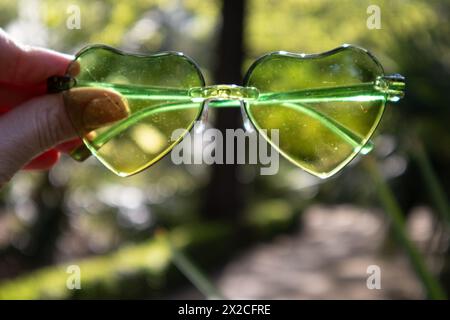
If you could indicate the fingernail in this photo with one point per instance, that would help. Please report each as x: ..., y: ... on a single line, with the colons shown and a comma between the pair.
x: 104, y: 111
x: 92, y: 108
x: 73, y: 69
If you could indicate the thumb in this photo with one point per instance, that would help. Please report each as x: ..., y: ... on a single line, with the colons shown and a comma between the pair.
x: 38, y: 125
x: 29, y: 129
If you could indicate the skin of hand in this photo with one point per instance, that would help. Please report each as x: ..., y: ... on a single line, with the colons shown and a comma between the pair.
x: 35, y: 126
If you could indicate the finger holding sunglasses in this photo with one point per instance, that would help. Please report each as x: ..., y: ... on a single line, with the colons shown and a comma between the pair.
x: 32, y: 122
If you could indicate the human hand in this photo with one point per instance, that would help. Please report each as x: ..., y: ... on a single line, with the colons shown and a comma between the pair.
x: 33, y: 122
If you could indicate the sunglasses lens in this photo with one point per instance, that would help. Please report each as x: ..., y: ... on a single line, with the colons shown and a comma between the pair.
x: 145, y: 102
x: 324, y: 107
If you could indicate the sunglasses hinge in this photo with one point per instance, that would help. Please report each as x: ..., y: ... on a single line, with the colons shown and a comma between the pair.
x: 59, y: 83
x: 224, y: 92
x: 391, y: 85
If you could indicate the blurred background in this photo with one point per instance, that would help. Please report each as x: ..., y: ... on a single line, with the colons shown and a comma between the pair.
x: 207, y: 231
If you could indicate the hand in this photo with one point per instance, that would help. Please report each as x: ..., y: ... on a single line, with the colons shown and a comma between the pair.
x: 32, y: 122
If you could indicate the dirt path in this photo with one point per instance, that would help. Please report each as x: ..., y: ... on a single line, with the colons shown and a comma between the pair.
x: 327, y: 259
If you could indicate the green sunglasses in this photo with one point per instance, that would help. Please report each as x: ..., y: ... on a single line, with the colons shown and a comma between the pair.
x: 325, y: 106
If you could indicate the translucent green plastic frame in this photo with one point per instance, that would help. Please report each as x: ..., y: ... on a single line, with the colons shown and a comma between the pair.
x: 325, y: 106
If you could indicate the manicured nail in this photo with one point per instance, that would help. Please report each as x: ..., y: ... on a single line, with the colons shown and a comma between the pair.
x: 73, y: 69
x: 104, y: 110
x: 92, y: 108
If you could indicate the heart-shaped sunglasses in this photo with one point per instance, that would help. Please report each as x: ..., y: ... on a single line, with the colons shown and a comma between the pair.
x: 325, y: 106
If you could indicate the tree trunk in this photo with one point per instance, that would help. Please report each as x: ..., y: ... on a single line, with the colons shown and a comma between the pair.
x: 224, y: 198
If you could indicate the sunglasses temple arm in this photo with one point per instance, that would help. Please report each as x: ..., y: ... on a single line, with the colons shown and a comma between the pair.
x: 355, y: 140
x: 387, y: 88
x: 81, y: 153
x: 56, y: 84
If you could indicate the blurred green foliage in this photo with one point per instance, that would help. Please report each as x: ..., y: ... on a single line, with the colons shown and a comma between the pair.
x: 133, y: 271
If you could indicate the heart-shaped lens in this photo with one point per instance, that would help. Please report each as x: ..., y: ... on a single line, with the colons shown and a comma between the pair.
x: 325, y: 107
x: 146, y: 101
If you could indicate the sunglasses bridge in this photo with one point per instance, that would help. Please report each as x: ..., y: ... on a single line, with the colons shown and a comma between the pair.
x: 223, y: 95
x: 223, y: 92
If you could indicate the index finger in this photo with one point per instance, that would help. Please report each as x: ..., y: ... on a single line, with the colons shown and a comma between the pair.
x: 24, y: 65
